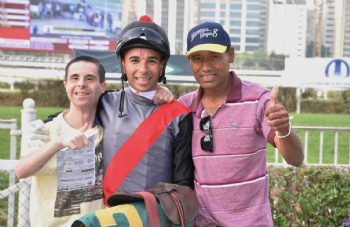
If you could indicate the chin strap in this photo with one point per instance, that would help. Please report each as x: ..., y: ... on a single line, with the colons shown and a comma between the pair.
x: 163, y: 72
x: 121, y: 102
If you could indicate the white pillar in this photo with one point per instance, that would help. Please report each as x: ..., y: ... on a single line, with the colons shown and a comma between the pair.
x: 141, y: 8
x: 172, y: 25
x: 157, y: 12
x: 243, y: 25
x: 319, y: 94
x: 28, y: 115
x: 12, y: 82
x: 298, y: 96
x: 217, y: 11
x: 227, y: 16
x: 325, y: 92
x: 186, y: 25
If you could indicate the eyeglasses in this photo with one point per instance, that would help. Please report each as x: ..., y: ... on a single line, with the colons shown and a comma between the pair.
x: 207, y: 140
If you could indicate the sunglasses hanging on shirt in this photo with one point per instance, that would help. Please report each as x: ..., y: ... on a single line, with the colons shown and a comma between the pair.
x: 207, y: 140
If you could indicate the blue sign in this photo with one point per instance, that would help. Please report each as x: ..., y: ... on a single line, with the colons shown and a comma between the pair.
x: 337, y: 69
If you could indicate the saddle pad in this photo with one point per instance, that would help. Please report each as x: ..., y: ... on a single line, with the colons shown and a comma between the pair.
x: 126, y: 215
x: 179, y: 203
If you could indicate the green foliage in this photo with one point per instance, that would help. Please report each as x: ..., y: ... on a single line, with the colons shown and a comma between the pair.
x: 309, y: 196
x: 5, y: 85
x: 345, y: 101
x: 115, y: 86
x: 259, y: 60
x: 287, y: 96
x: 25, y: 87
x: 11, y: 99
x: 276, y: 61
x: 49, y: 93
x: 308, y: 94
x: 321, y: 106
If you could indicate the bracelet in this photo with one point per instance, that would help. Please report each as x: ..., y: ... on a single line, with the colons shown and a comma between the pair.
x: 290, y: 129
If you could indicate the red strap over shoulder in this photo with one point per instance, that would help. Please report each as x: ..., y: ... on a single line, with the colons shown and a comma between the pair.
x: 137, y: 145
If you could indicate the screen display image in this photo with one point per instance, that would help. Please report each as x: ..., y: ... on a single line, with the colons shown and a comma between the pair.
x: 60, y: 25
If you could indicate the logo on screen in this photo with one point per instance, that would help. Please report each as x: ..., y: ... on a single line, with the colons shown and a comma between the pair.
x: 338, y: 68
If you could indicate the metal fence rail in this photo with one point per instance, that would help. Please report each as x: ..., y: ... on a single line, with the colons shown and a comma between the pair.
x: 306, y: 143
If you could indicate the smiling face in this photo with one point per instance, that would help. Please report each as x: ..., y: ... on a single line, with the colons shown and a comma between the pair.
x: 211, y: 69
x: 83, y: 85
x: 143, y: 68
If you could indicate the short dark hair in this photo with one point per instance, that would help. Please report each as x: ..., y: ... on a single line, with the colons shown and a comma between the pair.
x: 101, y: 70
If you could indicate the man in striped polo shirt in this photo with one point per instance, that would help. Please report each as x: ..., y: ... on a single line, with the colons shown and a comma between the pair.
x: 233, y: 121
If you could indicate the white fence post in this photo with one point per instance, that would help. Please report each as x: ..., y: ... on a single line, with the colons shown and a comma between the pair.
x: 28, y: 115
x: 306, y: 146
x: 12, y: 181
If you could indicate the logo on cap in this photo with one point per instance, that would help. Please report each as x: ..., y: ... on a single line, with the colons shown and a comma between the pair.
x: 204, y: 32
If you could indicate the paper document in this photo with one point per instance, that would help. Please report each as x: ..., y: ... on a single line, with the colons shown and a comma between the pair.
x: 76, y: 168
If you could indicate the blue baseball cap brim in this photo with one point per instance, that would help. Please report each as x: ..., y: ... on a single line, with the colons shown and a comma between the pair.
x: 207, y: 47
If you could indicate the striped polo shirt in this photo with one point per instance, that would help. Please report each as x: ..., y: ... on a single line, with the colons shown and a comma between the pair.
x: 232, y: 182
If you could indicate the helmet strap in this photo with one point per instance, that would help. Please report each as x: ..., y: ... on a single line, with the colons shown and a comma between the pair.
x: 162, y: 77
x: 121, y: 101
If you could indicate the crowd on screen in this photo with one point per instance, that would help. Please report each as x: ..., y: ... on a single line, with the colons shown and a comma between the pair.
x: 80, y: 11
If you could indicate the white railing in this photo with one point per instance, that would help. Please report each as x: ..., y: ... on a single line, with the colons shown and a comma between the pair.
x: 306, y: 145
x: 7, y: 166
x: 29, y: 58
x: 322, y: 129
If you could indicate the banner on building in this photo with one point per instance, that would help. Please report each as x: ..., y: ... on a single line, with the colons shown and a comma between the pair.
x: 318, y: 72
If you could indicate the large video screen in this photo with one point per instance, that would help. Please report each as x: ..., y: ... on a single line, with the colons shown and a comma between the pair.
x: 59, y: 25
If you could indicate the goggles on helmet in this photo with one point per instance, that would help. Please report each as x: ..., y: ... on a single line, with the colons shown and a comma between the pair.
x: 146, y: 34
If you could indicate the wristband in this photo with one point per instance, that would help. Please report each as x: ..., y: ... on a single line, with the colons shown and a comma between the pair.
x: 290, y: 129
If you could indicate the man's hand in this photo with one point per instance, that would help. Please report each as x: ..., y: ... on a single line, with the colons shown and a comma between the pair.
x: 75, y: 140
x: 36, y: 134
x: 278, y: 118
x: 289, y: 146
x: 163, y: 95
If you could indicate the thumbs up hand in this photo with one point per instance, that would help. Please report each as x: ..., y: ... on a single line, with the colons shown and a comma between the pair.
x: 274, y: 96
x: 278, y: 118
x: 75, y: 140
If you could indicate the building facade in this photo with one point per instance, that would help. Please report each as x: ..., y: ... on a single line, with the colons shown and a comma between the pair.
x: 245, y: 21
x: 284, y: 26
x: 287, y: 30
x: 346, y: 45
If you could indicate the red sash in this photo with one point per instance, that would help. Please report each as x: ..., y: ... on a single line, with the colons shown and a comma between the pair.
x: 138, y: 144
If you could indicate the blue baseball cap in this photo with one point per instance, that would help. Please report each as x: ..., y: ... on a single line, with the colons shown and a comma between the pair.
x: 209, y: 36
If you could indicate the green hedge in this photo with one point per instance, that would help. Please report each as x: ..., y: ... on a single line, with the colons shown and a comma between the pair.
x: 310, y: 196
x: 46, y: 93
x: 52, y: 94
